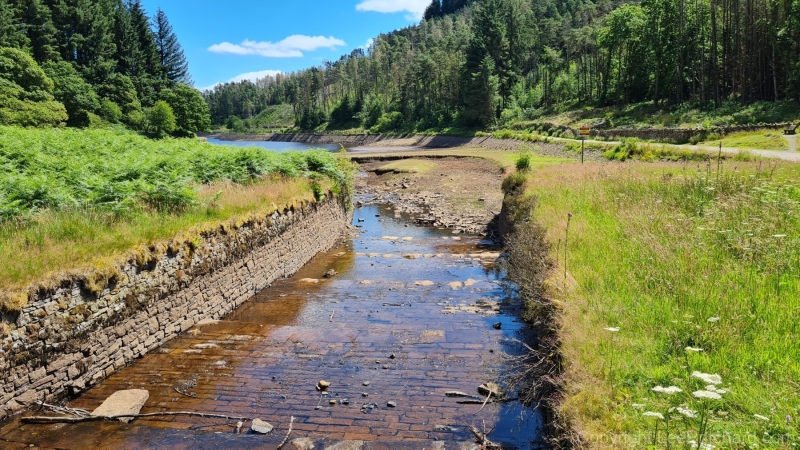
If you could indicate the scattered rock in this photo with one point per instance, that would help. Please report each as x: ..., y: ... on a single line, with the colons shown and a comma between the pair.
x: 332, y: 402
x: 424, y: 283
x: 123, y: 402
x: 345, y: 401
x: 323, y: 385
x: 497, y: 326
x: 392, y: 356
x: 471, y: 282
x: 391, y: 404
x: 364, y: 394
x: 366, y: 383
x: 303, y: 443
x: 445, y: 428
x: 408, y: 239
x: 390, y: 238
x: 261, y: 427
x: 367, y: 282
x: 455, y: 285
x: 330, y: 273
x: 385, y: 366
x: 412, y: 256
x: 309, y: 280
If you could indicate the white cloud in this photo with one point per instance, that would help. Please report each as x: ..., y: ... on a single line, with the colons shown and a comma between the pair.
x: 415, y: 7
x: 368, y: 44
x: 252, y: 76
x: 291, y: 47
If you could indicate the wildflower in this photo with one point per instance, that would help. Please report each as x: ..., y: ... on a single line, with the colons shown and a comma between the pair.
x: 638, y: 405
x: 712, y: 388
x: 667, y: 390
x: 759, y: 417
x: 612, y: 329
x: 708, y: 378
x: 707, y: 394
x: 687, y: 412
x: 654, y: 414
x: 713, y: 319
x: 694, y: 349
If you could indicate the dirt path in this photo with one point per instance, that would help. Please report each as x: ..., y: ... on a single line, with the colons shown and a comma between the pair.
x: 792, y: 143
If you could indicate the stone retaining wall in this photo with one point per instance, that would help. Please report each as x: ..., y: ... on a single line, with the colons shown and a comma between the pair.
x: 68, y: 339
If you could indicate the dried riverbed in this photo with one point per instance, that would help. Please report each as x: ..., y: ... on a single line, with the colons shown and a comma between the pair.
x: 411, y: 313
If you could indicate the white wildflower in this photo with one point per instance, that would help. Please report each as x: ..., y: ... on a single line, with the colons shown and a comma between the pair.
x: 687, y: 412
x: 760, y: 417
x: 654, y: 414
x: 713, y: 388
x: 708, y: 378
x: 612, y: 329
x: 667, y: 390
x: 713, y: 319
x: 694, y: 349
x: 707, y: 394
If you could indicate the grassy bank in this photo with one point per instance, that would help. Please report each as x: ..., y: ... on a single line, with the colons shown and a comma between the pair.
x: 75, y: 201
x: 676, y: 275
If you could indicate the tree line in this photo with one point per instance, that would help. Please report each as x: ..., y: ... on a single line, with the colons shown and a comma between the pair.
x: 86, y: 62
x: 486, y: 62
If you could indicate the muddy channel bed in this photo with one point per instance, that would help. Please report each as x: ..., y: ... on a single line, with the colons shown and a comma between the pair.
x: 398, y: 323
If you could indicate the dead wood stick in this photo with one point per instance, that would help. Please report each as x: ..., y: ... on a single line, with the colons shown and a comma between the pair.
x: 192, y: 394
x: 46, y: 419
x: 286, y: 439
x: 484, y: 402
x: 482, y: 439
x: 334, y: 312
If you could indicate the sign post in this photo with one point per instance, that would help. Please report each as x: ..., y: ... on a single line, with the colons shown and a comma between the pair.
x: 585, y: 131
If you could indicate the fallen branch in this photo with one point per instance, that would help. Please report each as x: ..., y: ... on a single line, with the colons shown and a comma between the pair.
x: 484, y: 402
x: 334, y: 312
x: 482, y: 439
x: 462, y: 394
x: 191, y: 394
x: 286, y: 439
x: 46, y: 419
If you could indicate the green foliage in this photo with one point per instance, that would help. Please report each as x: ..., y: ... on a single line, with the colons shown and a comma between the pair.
x: 117, y: 171
x: 191, y: 110
x: 513, y: 182
x: 523, y: 160
x: 76, y: 94
x: 170, y: 54
x: 387, y: 122
x: 26, y: 93
x: 110, y: 111
x: 160, y: 120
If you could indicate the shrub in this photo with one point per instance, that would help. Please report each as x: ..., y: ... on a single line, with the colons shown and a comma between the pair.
x: 160, y: 119
x: 523, y: 160
x: 513, y: 183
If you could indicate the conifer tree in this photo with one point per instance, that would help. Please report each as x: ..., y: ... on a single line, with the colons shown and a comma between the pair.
x: 11, y: 33
x: 173, y: 62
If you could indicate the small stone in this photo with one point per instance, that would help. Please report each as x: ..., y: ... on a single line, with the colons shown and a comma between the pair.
x: 385, y: 366
x: 391, y: 404
x: 366, y: 383
x: 364, y: 394
x: 392, y: 356
x: 332, y: 402
x: 497, y: 326
x: 260, y: 427
x: 323, y: 385
x: 345, y: 401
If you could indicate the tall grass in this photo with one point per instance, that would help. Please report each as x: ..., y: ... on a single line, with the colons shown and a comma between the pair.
x: 118, y: 171
x: 700, y: 271
x: 74, y: 200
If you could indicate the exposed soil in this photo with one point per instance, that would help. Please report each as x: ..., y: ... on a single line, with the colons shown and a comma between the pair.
x: 462, y: 194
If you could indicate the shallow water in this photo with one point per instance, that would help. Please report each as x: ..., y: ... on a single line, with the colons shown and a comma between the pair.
x: 275, y: 146
x: 387, y: 325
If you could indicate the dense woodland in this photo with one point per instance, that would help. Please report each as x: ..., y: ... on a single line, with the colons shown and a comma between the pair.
x: 94, y: 62
x: 486, y: 62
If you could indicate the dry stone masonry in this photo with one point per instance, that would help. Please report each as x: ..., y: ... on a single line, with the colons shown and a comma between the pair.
x: 73, y: 336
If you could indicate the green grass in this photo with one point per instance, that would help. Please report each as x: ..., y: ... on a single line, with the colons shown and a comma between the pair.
x: 503, y: 159
x: 117, y: 170
x: 677, y: 256
x: 761, y: 140
x: 75, y: 201
x: 644, y: 115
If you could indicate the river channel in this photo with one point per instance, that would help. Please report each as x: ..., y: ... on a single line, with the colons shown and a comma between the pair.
x: 411, y: 314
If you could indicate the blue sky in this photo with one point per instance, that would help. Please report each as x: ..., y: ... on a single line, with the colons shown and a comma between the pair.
x: 238, y: 39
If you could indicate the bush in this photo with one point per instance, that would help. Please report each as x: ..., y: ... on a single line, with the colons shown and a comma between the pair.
x: 387, y: 122
x: 26, y: 93
x: 160, y: 119
x: 191, y: 110
x: 513, y: 183
x: 110, y: 111
x: 523, y: 160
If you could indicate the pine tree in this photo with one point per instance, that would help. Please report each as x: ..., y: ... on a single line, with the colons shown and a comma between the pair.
x: 173, y: 62
x: 38, y: 28
x: 11, y: 32
x: 146, y: 72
